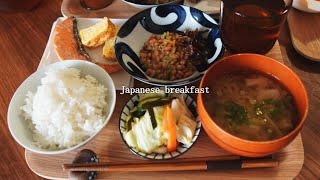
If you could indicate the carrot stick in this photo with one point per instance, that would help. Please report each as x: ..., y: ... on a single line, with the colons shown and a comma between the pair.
x: 172, y: 134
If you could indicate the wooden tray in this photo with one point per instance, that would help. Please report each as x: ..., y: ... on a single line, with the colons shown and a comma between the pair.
x: 119, y: 9
x: 110, y: 148
x: 305, y: 33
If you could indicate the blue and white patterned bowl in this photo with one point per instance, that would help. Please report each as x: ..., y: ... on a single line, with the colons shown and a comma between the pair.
x: 157, y: 20
x: 181, y: 149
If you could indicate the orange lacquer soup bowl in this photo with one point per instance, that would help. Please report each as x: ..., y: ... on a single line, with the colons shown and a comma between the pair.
x: 259, y: 63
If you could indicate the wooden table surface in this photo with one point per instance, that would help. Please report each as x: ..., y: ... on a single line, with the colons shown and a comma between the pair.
x: 23, y: 38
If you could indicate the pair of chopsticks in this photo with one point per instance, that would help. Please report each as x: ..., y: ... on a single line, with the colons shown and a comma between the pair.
x: 240, y: 163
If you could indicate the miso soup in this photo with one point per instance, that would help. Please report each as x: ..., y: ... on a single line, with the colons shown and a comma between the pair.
x: 251, y: 105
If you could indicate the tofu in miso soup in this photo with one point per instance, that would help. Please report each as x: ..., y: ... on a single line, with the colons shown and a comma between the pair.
x: 251, y: 105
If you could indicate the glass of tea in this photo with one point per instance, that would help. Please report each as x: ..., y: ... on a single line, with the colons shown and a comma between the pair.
x: 252, y: 26
x: 95, y: 4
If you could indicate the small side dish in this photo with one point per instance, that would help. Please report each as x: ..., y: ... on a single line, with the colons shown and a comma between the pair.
x: 74, y: 44
x: 66, y: 109
x: 159, y: 124
x: 168, y: 45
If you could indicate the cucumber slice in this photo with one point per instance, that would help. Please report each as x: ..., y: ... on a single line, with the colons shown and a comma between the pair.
x: 138, y: 113
x: 129, y: 120
x: 160, y: 102
x: 153, y: 118
x: 141, y: 103
x: 134, y: 109
x: 152, y: 95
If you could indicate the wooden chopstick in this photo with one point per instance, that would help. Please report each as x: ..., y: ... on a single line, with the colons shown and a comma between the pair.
x: 176, y: 166
x: 178, y: 160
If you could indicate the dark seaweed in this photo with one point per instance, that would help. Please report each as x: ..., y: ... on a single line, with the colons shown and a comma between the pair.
x: 199, y: 49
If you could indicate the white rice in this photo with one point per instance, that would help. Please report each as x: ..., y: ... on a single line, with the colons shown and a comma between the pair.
x: 66, y: 109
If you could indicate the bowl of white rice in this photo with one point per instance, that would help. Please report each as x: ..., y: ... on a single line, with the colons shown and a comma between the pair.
x: 61, y: 107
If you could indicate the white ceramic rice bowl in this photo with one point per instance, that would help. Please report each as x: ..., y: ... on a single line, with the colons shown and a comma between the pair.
x: 18, y: 125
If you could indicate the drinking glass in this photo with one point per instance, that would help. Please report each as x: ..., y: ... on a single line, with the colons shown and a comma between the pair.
x: 252, y: 26
x: 95, y: 4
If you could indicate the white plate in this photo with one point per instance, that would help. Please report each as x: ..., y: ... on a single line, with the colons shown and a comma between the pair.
x: 50, y: 56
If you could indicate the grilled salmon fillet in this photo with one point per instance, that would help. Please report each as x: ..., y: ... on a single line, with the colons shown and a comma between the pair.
x: 66, y: 44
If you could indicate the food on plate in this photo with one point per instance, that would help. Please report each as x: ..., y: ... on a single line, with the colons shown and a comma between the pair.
x: 150, y: 1
x: 97, y: 34
x: 251, y: 105
x: 175, y: 55
x: 158, y: 123
x: 69, y: 44
x: 108, y: 48
x: 66, y: 43
x: 66, y: 109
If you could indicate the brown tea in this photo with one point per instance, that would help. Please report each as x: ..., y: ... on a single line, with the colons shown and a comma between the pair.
x: 251, y: 25
x: 95, y: 4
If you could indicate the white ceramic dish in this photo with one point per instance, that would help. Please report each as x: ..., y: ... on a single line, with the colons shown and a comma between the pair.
x: 18, y: 125
x: 310, y: 6
x: 50, y: 56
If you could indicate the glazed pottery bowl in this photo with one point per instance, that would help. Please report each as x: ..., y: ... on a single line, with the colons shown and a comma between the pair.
x: 157, y: 20
x: 181, y: 149
x: 259, y: 63
x: 18, y: 126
